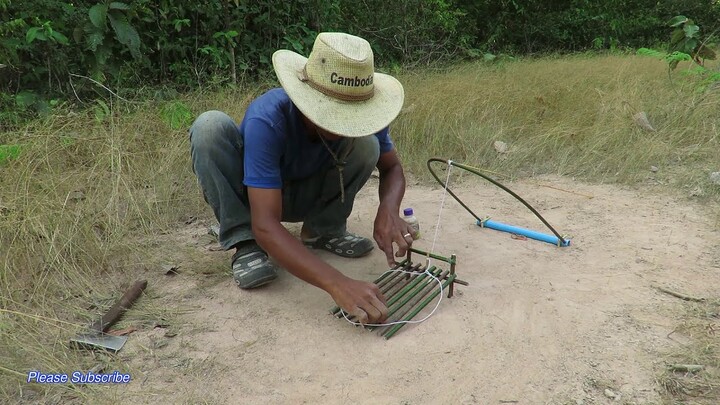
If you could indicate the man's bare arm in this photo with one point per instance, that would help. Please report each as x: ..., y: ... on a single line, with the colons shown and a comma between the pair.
x: 389, y: 227
x: 359, y: 298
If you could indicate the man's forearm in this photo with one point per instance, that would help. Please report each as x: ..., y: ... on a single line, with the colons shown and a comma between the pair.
x: 358, y: 298
x: 392, y: 187
x: 293, y: 256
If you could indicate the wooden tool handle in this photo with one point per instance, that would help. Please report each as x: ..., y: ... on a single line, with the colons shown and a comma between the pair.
x: 116, y: 311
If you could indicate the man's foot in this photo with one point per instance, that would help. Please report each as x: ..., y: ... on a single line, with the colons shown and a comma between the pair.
x: 252, y: 269
x: 347, y: 245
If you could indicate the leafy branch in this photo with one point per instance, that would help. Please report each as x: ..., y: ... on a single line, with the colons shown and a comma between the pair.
x: 685, y: 43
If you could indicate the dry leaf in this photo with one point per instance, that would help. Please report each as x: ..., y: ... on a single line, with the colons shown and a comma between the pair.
x: 641, y: 119
x: 408, y: 109
x: 170, y: 269
x: 500, y: 147
x: 76, y: 195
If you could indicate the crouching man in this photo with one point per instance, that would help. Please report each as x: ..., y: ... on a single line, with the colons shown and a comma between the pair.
x: 301, y: 154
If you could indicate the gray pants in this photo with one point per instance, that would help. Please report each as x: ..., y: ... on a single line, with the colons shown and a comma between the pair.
x: 216, y: 147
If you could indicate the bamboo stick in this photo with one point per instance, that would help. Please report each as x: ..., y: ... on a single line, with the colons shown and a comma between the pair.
x: 425, y: 254
x: 417, y: 310
x: 401, y: 282
x: 397, y: 285
x: 400, y: 294
x: 383, y: 279
x: 403, y: 263
x: 411, y: 294
x: 388, y: 290
x: 408, y: 305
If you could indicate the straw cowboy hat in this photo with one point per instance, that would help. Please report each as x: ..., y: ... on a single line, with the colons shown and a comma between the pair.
x: 337, y: 87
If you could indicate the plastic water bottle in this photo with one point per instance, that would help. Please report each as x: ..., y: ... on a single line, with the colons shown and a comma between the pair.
x: 409, y: 217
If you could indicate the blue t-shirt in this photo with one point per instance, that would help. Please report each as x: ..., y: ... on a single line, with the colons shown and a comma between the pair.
x: 277, y: 146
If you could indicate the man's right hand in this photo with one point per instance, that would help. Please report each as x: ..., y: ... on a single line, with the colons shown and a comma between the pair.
x: 360, y: 299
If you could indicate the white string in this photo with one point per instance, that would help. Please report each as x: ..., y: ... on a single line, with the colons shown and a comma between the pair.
x: 442, y: 204
x: 427, y: 266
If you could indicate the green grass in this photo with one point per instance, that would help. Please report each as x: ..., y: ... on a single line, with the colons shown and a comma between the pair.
x: 90, y: 188
x: 8, y: 152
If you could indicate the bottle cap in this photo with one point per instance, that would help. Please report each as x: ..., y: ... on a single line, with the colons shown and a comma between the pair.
x: 408, y: 212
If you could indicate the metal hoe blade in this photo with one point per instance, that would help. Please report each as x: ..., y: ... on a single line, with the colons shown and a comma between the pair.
x: 97, y: 338
x: 100, y: 341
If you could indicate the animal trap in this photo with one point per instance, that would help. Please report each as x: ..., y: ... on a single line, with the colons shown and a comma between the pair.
x: 409, y: 289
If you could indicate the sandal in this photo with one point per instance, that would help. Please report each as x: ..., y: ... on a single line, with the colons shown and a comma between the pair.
x: 251, y: 270
x: 347, y: 245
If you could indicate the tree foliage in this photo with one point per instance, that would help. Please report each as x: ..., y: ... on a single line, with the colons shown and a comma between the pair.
x: 133, y: 43
x: 686, y: 40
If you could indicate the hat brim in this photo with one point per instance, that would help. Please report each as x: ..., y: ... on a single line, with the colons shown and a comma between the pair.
x: 346, y: 118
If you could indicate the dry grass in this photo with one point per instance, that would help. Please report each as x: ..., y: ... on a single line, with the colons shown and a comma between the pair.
x: 570, y: 116
x: 78, y: 203
x: 700, y: 322
x: 75, y: 208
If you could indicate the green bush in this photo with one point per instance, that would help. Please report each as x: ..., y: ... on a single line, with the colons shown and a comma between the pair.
x: 53, y: 50
x: 572, y: 25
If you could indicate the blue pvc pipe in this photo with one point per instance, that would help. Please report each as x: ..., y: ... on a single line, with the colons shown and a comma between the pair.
x: 499, y: 226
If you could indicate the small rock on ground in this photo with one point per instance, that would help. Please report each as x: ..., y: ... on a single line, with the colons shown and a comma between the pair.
x: 500, y: 146
x: 715, y: 178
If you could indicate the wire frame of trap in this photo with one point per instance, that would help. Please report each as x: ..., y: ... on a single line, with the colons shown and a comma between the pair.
x: 409, y: 292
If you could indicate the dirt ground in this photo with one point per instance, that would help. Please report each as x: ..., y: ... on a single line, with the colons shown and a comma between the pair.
x: 538, y: 324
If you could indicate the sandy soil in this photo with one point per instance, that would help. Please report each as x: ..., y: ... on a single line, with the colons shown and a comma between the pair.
x: 538, y: 324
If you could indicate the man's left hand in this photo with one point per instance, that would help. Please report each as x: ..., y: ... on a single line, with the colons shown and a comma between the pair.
x: 389, y: 229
